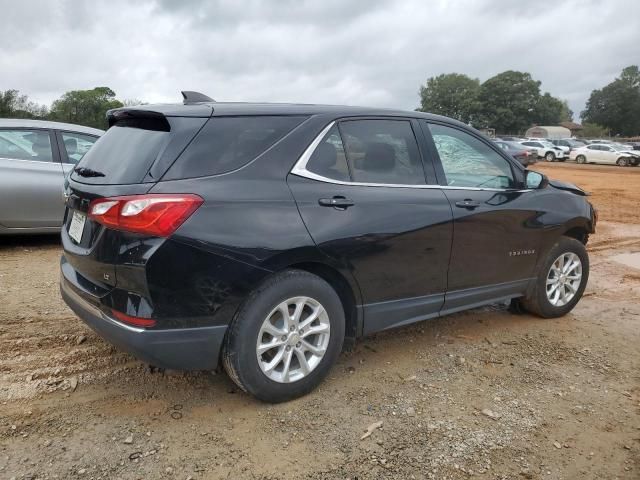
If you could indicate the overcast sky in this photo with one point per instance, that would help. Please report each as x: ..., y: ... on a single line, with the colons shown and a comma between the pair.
x: 373, y: 53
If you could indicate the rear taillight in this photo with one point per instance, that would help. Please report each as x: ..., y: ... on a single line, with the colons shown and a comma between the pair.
x: 134, y: 321
x: 153, y: 214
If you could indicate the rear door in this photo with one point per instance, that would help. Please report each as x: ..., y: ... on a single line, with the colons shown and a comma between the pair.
x: 31, y: 180
x: 496, y: 232
x: 364, y: 197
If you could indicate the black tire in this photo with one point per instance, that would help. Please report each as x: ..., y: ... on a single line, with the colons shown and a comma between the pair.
x: 537, y: 301
x: 239, y: 351
x: 581, y: 159
x: 550, y: 157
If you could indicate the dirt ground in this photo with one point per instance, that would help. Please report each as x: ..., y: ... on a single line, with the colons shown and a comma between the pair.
x: 482, y: 394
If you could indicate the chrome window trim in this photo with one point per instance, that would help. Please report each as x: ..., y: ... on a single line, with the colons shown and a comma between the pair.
x: 300, y: 169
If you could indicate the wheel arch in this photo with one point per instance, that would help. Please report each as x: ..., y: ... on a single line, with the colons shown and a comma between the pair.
x: 579, y: 232
x: 347, y: 290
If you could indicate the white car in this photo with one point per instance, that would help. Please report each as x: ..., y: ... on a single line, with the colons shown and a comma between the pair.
x: 610, y: 154
x: 546, y: 150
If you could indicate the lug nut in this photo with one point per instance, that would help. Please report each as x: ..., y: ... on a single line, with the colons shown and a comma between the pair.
x: 298, y: 345
x: 283, y: 338
x: 288, y: 348
x: 292, y: 328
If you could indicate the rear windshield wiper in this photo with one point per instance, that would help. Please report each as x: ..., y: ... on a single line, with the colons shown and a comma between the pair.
x: 87, y: 172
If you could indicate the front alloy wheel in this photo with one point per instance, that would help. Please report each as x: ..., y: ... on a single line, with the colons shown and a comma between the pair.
x: 293, y: 339
x: 550, y: 157
x: 563, y: 279
x: 560, y: 280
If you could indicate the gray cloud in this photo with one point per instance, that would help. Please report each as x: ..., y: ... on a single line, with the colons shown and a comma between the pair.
x: 332, y: 51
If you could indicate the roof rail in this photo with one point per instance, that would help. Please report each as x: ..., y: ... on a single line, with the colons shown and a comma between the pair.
x: 190, y: 98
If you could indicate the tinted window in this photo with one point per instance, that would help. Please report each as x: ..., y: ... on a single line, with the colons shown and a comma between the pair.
x: 124, y: 153
x: 468, y: 161
x: 382, y: 151
x: 76, y: 145
x: 228, y: 143
x: 26, y: 145
x: 329, y: 159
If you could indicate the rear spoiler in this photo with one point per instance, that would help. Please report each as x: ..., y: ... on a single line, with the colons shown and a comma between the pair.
x: 147, y: 119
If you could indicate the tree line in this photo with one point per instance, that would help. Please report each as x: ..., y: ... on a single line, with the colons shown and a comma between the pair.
x: 81, y: 107
x: 511, y: 101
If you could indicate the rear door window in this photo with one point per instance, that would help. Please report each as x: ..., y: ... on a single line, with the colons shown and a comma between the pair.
x: 382, y: 151
x: 24, y: 144
x: 227, y: 143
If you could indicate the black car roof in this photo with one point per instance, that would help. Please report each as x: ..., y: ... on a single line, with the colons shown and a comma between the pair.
x: 242, y: 108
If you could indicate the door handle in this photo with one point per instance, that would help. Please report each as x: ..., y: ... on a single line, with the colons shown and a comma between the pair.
x: 468, y: 204
x: 338, y: 202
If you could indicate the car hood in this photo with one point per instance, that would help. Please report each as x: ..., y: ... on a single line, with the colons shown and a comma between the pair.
x: 569, y: 187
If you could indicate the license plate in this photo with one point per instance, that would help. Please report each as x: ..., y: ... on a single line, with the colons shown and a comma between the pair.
x: 77, y: 226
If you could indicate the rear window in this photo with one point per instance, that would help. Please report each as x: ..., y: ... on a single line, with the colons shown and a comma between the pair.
x: 123, y: 154
x: 227, y: 143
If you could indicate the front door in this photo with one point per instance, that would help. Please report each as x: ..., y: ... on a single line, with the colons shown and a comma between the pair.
x: 31, y: 180
x: 363, y: 196
x: 496, y: 230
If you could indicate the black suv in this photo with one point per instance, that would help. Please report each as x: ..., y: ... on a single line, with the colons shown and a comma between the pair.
x: 267, y: 236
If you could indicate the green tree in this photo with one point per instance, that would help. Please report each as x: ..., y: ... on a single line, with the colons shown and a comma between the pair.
x: 451, y: 94
x: 509, y: 101
x: 14, y: 105
x: 85, y: 107
x: 567, y: 113
x: 548, y: 110
x: 617, y: 105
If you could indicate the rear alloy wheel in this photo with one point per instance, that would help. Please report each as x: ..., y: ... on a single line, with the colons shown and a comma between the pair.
x: 581, y: 159
x: 622, y: 162
x: 561, y: 280
x: 550, y: 157
x: 285, y: 337
x: 293, y: 339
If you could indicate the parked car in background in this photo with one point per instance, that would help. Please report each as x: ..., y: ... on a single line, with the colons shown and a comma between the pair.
x: 525, y: 155
x: 546, y: 150
x: 607, y: 154
x: 567, y: 144
x: 35, y: 157
x: 263, y: 236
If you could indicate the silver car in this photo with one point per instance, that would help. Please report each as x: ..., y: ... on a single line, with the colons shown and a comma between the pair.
x: 35, y: 157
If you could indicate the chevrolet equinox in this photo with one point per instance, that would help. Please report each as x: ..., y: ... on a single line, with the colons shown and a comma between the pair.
x: 266, y: 236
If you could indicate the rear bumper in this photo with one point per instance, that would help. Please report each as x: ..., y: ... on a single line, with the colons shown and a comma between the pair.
x: 180, y: 348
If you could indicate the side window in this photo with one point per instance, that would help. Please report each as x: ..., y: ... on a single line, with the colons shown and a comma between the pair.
x: 26, y: 145
x: 382, y: 151
x: 469, y: 162
x: 76, y: 145
x: 329, y: 159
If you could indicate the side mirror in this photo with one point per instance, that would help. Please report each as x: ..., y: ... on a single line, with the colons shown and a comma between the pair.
x: 535, y: 180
